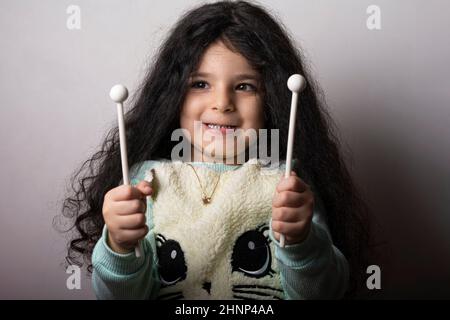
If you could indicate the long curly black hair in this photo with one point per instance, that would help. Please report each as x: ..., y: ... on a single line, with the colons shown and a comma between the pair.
x: 154, y: 114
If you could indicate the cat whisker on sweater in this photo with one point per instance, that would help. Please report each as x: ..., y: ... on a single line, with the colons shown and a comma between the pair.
x: 264, y: 296
x: 170, y: 295
x: 242, y: 297
x: 243, y: 286
x: 262, y: 291
x: 257, y: 293
x: 179, y: 297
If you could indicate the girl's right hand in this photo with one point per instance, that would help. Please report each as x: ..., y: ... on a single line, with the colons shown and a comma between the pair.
x: 124, y: 210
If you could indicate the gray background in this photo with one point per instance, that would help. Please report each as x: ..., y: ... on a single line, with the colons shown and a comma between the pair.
x: 388, y: 91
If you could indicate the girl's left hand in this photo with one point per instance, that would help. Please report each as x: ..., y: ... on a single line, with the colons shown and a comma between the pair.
x: 292, y: 209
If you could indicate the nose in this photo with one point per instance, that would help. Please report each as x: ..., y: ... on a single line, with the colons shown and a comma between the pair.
x: 207, y: 287
x: 224, y: 101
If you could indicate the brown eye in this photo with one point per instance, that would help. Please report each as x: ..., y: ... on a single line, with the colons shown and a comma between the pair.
x: 199, y: 85
x: 246, y: 87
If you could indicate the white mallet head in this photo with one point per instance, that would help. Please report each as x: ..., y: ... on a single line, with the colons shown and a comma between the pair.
x: 118, y: 93
x: 296, y: 83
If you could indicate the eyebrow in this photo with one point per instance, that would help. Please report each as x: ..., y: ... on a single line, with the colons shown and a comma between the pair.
x: 238, y: 77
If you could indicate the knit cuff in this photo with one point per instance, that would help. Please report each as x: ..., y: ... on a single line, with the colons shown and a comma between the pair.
x: 117, y: 263
x: 300, y: 254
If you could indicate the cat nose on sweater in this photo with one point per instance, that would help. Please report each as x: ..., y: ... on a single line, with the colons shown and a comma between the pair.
x: 207, y: 287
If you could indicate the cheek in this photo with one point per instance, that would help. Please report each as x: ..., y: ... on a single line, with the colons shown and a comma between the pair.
x: 254, y: 118
x: 184, y: 121
x: 188, y: 114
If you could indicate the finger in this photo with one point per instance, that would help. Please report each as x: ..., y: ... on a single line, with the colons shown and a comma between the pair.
x: 125, y: 192
x: 292, y: 183
x: 293, y: 173
x: 291, y: 229
x: 289, y: 199
x: 276, y: 235
x: 144, y: 187
x: 288, y: 239
x: 128, y: 207
x: 286, y: 214
x: 131, y: 222
x: 130, y: 237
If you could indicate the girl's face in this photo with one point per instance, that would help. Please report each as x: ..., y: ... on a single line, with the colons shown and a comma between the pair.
x: 223, y: 95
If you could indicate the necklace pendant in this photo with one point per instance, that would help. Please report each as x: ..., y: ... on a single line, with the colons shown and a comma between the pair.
x: 206, y: 200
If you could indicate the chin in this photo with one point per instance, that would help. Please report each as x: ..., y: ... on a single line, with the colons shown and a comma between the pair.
x: 227, y: 156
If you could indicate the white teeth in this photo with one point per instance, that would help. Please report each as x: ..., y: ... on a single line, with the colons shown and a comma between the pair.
x: 215, y: 126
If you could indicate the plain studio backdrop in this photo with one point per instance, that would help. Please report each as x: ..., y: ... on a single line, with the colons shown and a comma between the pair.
x: 387, y: 89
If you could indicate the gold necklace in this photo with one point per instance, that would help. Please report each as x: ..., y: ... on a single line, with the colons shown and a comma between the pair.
x: 205, y: 198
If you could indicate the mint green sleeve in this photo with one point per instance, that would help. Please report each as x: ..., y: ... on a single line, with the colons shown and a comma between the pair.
x: 315, y: 268
x: 124, y: 276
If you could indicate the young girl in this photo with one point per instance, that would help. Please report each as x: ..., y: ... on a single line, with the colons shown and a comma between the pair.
x: 209, y: 226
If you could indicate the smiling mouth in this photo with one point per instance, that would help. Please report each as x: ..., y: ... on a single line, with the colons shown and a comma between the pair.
x: 218, y: 126
x: 224, y: 129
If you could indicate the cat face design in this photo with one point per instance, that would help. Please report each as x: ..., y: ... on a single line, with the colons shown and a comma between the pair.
x: 251, y: 259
